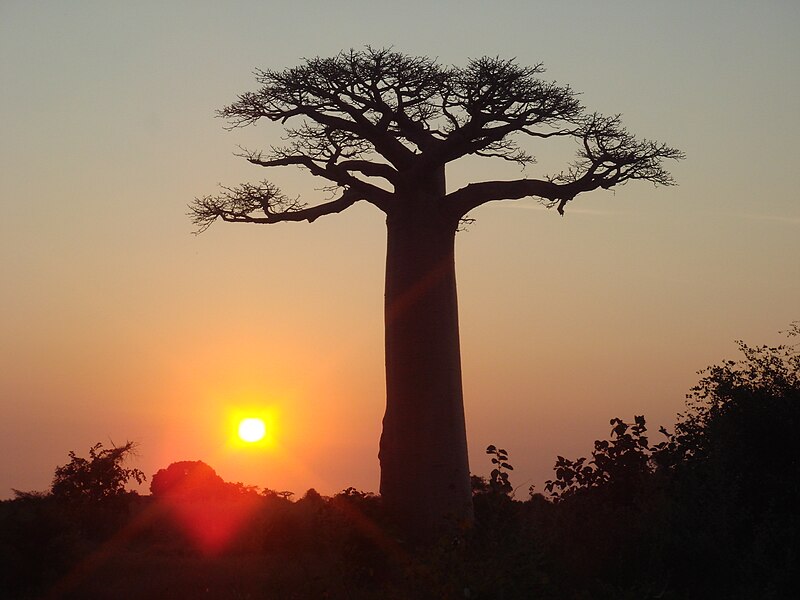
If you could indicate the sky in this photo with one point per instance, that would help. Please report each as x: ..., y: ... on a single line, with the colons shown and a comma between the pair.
x: 117, y: 323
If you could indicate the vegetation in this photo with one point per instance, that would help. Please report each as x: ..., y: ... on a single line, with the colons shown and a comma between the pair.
x: 100, y: 477
x: 381, y: 127
x: 708, y: 510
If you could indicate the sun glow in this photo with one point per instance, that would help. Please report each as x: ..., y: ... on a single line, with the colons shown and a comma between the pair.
x: 252, y: 426
x: 252, y: 429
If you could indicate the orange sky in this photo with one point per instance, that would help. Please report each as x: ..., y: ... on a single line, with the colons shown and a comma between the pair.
x: 118, y: 324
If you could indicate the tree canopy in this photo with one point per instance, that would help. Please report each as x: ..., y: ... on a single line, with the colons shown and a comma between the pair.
x: 372, y: 122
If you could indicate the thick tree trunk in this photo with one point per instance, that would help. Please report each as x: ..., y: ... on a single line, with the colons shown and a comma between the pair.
x: 423, y: 451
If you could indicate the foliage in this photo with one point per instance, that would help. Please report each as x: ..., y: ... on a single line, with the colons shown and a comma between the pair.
x: 284, y: 494
x: 188, y: 479
x: 710, y: 512
x: 498, y: 478
x: 734, y: 468
x: 620, y: 462
x: 99, y: 477
x: 754, y: 397
x: 743, y: 413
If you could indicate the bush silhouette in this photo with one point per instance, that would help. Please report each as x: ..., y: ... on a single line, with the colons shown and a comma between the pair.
x: 188, y: 480
x: 99, y: 477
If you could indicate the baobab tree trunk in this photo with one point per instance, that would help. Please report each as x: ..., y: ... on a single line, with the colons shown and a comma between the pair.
x: 423, y: 450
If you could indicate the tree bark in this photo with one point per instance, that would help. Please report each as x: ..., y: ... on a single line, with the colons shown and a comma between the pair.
x: 425, y: 481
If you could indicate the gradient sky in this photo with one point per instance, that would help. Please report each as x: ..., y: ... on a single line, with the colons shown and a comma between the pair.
x: 116, y: 323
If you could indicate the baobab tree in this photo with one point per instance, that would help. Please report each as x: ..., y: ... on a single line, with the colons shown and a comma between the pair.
x: 380, y: 127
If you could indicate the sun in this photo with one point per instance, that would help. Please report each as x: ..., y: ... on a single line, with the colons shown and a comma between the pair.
x: 252, y: 429
x: 251, y: 426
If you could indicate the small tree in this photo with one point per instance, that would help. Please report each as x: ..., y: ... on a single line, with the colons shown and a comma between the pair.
x: 381, y: 127
x: 189, y: 480
x: 99, y: 477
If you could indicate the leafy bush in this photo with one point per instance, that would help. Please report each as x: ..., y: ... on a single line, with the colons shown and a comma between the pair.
x: 99, y: 477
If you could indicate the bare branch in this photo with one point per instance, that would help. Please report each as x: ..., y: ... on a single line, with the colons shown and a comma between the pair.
x: 238, y: 205
x: 381, y: 96
x: 370, y: 169
x: 610, y: 156
x: 330, y: 171
x: 492, y: 99
x: 376, y: 113
x: 473, y: 195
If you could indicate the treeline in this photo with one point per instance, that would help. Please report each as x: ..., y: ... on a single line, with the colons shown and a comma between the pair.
x: 706, y: 510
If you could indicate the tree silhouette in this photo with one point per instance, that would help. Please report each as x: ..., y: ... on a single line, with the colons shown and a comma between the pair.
x: 188, y: 480
x: 380, y: 126
x: 99, y: 477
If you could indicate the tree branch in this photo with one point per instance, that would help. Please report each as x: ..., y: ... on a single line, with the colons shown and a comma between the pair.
x: 609, y: 156
x: 473, y: 195
x: 378, y: 113
x: 350, y: 92
x: 497, y: 99
x: 332, y: 172
x: 238, y: 205
x: 370, y: 169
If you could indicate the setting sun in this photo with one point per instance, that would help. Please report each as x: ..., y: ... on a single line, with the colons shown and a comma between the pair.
x: 250, y: 424
x: 252, y: 430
